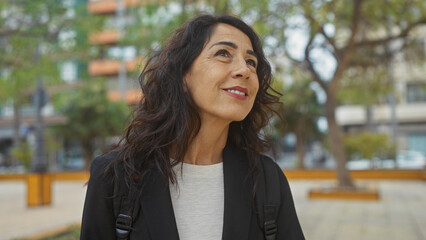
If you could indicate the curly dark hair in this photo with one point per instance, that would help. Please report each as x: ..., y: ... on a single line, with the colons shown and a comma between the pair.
x: 166, y: 117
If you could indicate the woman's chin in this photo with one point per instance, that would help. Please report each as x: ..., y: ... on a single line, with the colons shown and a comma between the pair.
x: 238, y: 118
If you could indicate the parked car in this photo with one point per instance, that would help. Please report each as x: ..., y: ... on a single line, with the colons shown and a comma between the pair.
x: 404, y: 159
x: 359, y: 164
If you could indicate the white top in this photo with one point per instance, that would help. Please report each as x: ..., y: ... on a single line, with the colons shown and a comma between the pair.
x: 198, y: 201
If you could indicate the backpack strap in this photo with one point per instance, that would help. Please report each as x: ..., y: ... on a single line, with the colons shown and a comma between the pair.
x: 125, y: 209
x: 268, y: 198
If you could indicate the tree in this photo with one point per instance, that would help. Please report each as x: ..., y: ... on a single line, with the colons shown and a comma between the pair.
x: 32, y: 43
x: 91, y: 116
x: 26, y: 27
x: 23, y: 153
x: 357, y: 41
x: 371, y: 90
x: 301, y: 111
x: 349, y: 33
x: 369, y: 145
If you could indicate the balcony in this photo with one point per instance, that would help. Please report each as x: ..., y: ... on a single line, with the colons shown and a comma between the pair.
x: 104, y: 37
x: 110, y: 6
x: 405, y: 113
x: 108, y: 67
x: 132, y: 96
x: 107, y: 6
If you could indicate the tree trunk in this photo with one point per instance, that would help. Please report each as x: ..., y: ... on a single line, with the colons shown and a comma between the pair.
x: 39, y: 162
x: 103, y: 142
x: 300, y: 145
x: 336, y: 142
x: 88, y: 153
x: 301, y: 154
x: 16, y: 126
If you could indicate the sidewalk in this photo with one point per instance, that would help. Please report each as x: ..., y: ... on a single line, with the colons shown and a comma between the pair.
x: 17, y: 220
x: 400, y: 214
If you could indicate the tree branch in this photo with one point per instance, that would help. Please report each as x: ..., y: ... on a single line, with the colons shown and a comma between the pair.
x: 348, y: 51
x: 373, y: 60
x: 329, y: 40
x: 307, y: 61
x: 310, y: 66
x: 402, y: 34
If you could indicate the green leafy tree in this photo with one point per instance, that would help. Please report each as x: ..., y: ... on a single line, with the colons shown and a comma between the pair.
x: 373, y: 89
x: 369, y: 145
x: 300, y: 111
x: 26, y: 29
x: 23, y: 154
x: 35, y: 36
x: 151, y: 23
x: 91, y: 116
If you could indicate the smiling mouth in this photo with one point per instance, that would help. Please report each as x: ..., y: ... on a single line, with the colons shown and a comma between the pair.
x: 236, y: 92
x: 242, y: 91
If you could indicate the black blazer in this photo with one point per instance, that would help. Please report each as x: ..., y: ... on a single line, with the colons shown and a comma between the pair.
x: 156, y: 220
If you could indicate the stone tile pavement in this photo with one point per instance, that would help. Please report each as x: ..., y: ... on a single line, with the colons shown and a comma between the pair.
x: 18, y: 220
x: 400, y: 214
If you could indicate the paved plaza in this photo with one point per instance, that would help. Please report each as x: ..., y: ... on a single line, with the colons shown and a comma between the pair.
x: 400, y: 214
x: 17, y: 220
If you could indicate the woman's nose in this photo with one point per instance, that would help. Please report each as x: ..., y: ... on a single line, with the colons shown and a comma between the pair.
x: 241, y: 70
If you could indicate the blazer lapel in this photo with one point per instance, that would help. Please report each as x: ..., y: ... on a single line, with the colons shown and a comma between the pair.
x: 157, y: 209
x: 238, y: 195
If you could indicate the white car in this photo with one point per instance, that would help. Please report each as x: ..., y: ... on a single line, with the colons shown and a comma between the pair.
x: 359, y: 164
x: 406, y: 160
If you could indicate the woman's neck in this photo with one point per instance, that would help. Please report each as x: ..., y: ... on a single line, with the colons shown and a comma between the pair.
x: 206, y: 148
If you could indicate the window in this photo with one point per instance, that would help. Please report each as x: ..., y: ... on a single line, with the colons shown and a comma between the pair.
x: 417, y: 142
x: 416, y: 92
x: 69, y: 71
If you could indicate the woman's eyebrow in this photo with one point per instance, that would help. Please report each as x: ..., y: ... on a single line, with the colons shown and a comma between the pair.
x: 251, y: 52
x: 234, y: 46
x: 230, y: 44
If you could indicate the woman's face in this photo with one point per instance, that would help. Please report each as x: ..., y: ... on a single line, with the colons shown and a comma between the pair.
x: 223, y: 80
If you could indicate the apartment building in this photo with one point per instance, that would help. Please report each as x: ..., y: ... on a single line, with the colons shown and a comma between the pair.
x: 115, y: 63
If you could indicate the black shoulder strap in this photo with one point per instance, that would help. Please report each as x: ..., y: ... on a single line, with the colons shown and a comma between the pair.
x: 268, y: 198
x: 125, y: 209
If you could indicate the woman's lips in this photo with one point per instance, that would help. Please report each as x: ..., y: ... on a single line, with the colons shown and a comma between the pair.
x: 237, y: 92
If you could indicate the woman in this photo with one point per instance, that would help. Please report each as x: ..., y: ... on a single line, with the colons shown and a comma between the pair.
x: 190, y: 159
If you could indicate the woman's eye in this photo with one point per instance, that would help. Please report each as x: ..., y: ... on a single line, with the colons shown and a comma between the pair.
x: 251, y: 62
x: 223, y: 53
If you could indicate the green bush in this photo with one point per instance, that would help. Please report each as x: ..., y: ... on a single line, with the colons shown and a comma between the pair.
x: 369, y: 145
x: 23, y: 153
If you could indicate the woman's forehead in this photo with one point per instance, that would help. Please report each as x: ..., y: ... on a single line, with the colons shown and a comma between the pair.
x: 227, y: 33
